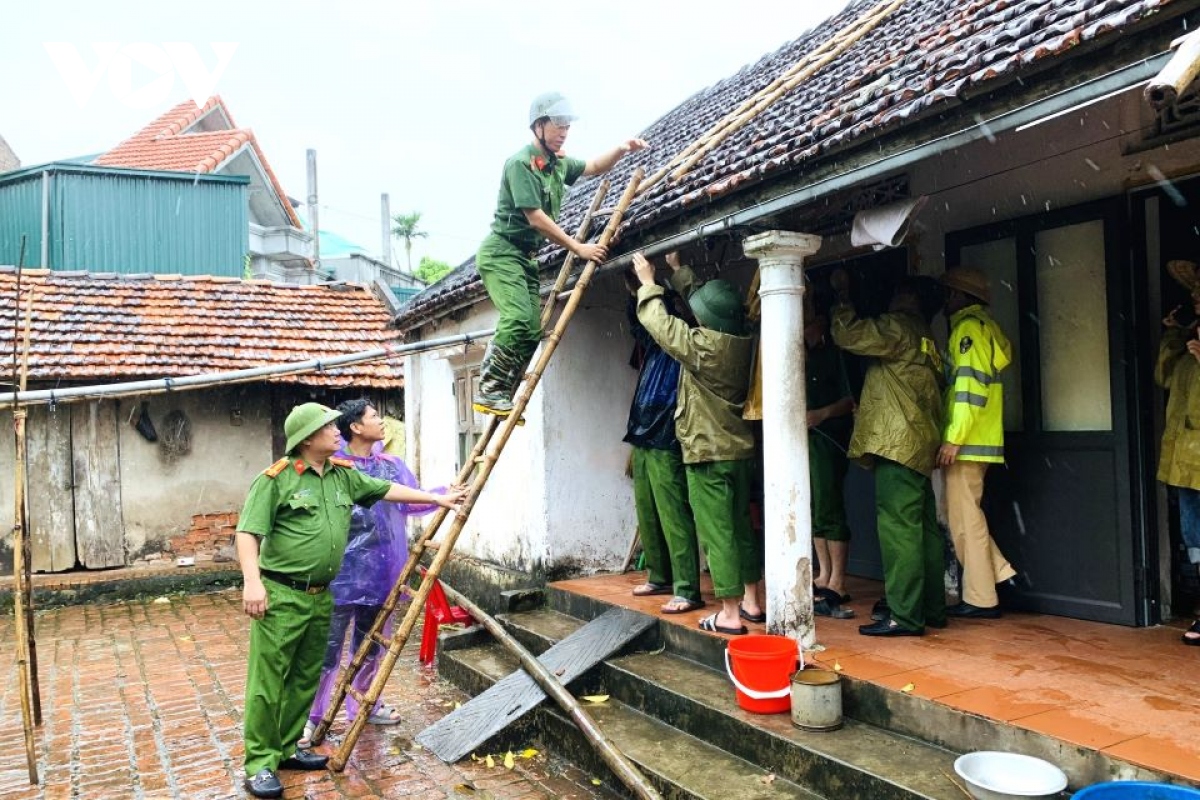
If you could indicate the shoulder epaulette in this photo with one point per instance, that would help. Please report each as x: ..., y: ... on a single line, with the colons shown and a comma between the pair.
x: 341, y: 462
x: 276, y: 468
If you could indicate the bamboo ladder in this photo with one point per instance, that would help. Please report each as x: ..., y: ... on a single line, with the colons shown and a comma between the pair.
x: 483, y: 457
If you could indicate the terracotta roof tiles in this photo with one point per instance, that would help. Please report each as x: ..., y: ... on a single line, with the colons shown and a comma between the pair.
x: 97, y: 329
x: 166, y: 144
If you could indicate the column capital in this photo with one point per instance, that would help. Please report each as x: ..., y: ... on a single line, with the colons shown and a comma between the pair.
x: 784, y: 246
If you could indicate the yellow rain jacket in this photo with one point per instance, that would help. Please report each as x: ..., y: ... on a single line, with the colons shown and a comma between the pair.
x: 976, y: 352
x: 899, y: 413
x: 1179, y: 373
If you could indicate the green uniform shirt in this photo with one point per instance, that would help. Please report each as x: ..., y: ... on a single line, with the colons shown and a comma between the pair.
x: 525, y: 186
x: 826, y: 383
x: 713, y: 380
x: 304, y: 517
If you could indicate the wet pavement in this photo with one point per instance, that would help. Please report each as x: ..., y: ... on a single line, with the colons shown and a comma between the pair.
x: 143, y: 699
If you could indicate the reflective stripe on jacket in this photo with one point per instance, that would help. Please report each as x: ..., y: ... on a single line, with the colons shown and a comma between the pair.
x: 976, y: 352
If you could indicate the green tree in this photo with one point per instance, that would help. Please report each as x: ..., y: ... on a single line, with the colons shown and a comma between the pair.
x: 431, y: 270
x: 408, y: 227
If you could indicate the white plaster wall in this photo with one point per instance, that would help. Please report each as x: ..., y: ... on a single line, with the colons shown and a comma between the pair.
x: 159, y: 497
x: 586, y: 393
x: 558, y: 498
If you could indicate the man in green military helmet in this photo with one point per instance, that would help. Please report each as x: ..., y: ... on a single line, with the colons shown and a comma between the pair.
x: 717, y: 443
x: 291, y: 537
x: 531, y: 193
x: 896, y: 435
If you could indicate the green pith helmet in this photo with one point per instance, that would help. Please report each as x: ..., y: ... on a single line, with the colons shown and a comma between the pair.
x: 305, y: 420
x: 551, y: 104
x: 718, y: 305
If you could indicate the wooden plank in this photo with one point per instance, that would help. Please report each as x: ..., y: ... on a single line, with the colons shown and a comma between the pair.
x: 99, y: 523
x: 51, y: 499
x: 472, y: 724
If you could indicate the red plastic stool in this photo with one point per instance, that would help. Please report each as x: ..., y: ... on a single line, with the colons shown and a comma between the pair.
x: 438, y: 612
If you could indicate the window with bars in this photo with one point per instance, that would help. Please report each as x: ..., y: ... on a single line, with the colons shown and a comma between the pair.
x: 470, y: 423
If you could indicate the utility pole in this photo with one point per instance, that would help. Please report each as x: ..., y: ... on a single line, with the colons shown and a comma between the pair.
x: 312, y: 209
x: 385, y: 213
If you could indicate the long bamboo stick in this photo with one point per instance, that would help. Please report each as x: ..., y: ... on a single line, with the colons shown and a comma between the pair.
x: 20, y: 525
x: 338, y: 761
x: 807, y: 66
x: 624, y: 769
x: 569, y: 262
x: 35, y: 691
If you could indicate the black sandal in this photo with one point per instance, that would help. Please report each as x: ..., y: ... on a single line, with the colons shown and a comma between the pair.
x: 1194, y: 639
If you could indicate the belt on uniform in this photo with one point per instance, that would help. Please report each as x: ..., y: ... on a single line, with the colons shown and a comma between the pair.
x: 292, y: 583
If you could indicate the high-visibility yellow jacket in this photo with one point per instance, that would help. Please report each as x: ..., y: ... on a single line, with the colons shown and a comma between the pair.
x: 976, y: 352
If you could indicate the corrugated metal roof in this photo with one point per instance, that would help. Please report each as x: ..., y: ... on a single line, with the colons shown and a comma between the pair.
x: 126, y: 221
x: 96, y: 328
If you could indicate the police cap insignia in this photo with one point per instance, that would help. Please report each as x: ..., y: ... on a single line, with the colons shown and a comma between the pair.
x: 964, y: 344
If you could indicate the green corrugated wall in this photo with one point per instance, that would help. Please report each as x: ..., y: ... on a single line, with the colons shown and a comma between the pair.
x: 127, y: 221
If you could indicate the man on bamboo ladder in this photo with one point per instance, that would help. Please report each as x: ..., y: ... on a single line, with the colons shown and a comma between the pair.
x: 291, y: 538
x: 717, y: 442
x: 531, y: 193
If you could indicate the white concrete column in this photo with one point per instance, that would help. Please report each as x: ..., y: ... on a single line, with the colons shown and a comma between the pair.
x: 787, y: 513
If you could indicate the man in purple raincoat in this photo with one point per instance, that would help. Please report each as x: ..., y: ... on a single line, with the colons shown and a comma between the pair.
x: 375, y: 554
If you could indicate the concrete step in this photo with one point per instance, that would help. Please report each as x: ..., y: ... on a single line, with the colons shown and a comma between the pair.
x: 860, y: 760
x: 910, y: 716
x: 680, y: 766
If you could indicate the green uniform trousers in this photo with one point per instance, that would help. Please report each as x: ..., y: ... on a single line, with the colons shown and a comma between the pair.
x: 911, y: 545
x: 827, y: 465
x: 287, y: 647
x: 719, y: 492
x: 665, y: 524
x: 511, y: 280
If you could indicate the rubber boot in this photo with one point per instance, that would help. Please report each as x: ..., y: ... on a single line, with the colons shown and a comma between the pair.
x: 495, y: 382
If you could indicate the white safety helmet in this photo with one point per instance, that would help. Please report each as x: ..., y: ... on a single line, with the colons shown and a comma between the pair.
x: 553, y: 105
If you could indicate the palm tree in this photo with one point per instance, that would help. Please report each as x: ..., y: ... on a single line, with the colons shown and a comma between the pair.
x: 408, y: 227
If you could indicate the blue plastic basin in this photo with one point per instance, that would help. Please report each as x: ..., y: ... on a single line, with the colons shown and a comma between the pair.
x: 1136, y: 790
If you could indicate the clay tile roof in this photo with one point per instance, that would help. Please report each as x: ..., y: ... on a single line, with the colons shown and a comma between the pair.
x: 93, y: 329
x: 167, y: 144
x: 927, y: 58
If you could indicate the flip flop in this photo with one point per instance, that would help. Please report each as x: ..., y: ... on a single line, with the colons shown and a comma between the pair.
x: 824, y: 608
x: 709, y: 623
x: 385, y: 715
x: 648, y: 589
x: 760, y: 617
x: 1194, y: 641
x: 681, y: 605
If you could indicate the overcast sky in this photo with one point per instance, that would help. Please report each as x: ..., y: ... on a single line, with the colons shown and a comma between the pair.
x: 420, y: 99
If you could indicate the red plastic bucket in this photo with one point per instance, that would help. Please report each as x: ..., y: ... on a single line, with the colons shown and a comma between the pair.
x: 761, y: 668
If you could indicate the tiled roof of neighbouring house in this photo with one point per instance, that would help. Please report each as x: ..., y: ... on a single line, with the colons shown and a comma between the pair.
x: 926, y: 57
x: 100, y: 328
x: 170, y: 143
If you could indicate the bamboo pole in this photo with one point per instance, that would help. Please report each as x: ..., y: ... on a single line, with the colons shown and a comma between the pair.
x: 569, y: 262
x: 1177, y: 75
x: 35, y: 692
x: 338, y: 761
x: 752, y: 106
x: 624, y: 769
x: 20, y: 526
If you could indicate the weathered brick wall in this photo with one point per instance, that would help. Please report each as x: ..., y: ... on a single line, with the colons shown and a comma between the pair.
x: 207, y: 534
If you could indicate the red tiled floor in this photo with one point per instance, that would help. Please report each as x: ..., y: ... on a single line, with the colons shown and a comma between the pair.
x: 144, y: 699
x: 1126, y: 691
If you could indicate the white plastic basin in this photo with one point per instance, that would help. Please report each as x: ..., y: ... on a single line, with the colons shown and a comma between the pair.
x: 992, y: 775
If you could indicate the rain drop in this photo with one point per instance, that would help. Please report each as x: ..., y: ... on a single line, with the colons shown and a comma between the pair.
x: 1017, y: 513
x: 1092, y: 164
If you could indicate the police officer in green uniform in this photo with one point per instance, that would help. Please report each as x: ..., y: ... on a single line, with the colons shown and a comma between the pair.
x: 291, y: 536
x: 531, y: 194
x: 896, y: 435
x: 717, y: 442
x: 829, y: 408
